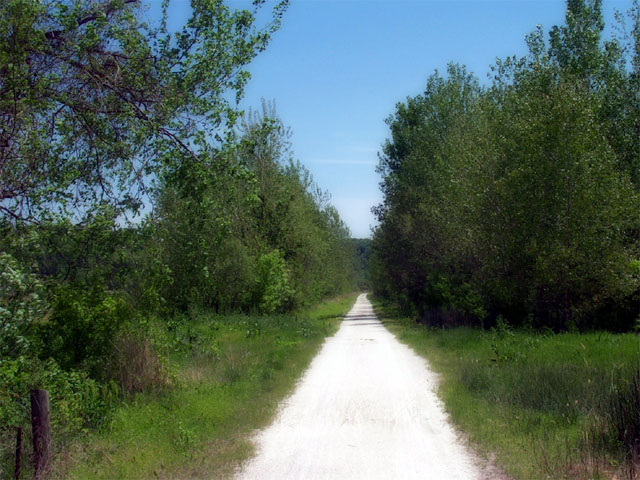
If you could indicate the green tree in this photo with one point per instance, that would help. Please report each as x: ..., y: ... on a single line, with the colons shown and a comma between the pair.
x: 94, y: 101
x: 555, y: 219
x: 521, y: 199
x: 292, y: 214
x: 425, y: 232
x: 249, y: 229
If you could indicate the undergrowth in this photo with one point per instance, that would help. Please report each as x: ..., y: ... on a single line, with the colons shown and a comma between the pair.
x: 227, y: 376
x: 550, y: 406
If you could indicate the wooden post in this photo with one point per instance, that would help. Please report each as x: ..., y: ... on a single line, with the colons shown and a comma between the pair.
x: 17, y: 471
x: 41, y: 433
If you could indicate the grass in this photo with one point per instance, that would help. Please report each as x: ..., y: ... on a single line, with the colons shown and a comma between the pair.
x: 546, y: 405
x: 230, y: 373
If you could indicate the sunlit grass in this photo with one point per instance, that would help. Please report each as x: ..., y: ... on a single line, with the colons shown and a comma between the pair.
x: 540, y: 402
x: 230, y: 375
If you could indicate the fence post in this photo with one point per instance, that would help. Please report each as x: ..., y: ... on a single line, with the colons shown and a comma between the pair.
x: 41, y: 433
x: 17, y: 471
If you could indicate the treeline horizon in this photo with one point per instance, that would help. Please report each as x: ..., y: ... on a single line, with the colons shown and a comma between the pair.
x: 519, y: 201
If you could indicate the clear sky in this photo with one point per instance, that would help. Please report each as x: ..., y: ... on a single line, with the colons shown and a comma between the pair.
x: 337, y: 68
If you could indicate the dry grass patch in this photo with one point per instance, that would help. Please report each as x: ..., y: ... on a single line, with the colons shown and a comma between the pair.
x: 140, y: 367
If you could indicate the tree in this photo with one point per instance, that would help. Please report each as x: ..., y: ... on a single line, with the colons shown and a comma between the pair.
x: 249, y: 230
x: 291, y: 213
x: 554, y: 223
x: 424, y: 233
x: 576, y: 46
x: 521, y: 199
x: 94, y: 101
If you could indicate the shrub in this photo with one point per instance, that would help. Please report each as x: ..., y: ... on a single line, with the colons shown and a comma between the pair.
x: 21, y: 304
x: 273, y: 289
x: 77, y: 402
x: 81, y: 329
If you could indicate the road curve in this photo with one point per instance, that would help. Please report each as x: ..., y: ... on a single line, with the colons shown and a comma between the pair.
x: 365, y: 409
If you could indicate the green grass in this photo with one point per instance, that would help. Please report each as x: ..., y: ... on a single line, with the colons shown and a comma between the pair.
x: 542, y: 403
x: 230, y: 373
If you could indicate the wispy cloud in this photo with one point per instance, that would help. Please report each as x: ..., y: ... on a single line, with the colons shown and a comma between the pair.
x: 361, y: 149
x: 342, y: 161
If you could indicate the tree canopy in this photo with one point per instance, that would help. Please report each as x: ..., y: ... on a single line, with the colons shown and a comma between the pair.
x: 94, y: 101
x: 519, y: 199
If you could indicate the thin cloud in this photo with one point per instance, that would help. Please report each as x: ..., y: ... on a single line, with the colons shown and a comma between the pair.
x: 336, y: 161
x: 361, y: 149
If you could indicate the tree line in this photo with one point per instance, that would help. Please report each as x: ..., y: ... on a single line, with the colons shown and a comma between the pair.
x: 133, y: 192
x: 520, y: 200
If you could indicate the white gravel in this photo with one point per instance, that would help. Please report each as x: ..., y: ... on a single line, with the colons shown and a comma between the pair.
x: 365, y: 409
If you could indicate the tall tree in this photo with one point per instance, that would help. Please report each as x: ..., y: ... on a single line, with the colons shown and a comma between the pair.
x: 576, y: 46
x: 518, y: 200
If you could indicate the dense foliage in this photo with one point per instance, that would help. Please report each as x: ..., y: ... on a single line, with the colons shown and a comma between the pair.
x: 132, y: 191
x: 362, y: 259
x: 520, y: 199
x: 250, y: 232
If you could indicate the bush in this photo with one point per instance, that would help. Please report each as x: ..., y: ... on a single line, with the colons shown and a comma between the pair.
x: 80, y: 402
x: 21, y: 304
x: 80, y: 332
x: 77, y: 402
x: 272, y: 290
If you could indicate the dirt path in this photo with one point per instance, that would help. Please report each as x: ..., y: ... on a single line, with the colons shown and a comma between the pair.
x: 365, y: 409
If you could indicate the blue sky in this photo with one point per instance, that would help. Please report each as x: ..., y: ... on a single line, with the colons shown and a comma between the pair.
x: 337, y: 68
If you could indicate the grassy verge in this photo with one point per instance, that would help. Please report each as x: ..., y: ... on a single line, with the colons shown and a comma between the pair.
x: 229, y: 374
x: 548, y: 406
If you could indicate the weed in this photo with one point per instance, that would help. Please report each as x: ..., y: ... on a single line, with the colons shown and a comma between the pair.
x: 186, y: 438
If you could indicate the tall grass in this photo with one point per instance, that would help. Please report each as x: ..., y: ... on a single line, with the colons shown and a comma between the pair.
x: 139, y: 367
x: 622, y: 421
x: 549, y: 405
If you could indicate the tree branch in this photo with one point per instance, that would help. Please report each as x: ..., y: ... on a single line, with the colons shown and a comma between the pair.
x: 107, y: 9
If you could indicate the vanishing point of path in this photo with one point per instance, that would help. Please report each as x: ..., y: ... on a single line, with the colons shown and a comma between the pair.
x: 365, y: 409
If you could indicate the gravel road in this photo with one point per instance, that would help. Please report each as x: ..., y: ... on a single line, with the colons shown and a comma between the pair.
x: 365, y: 409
